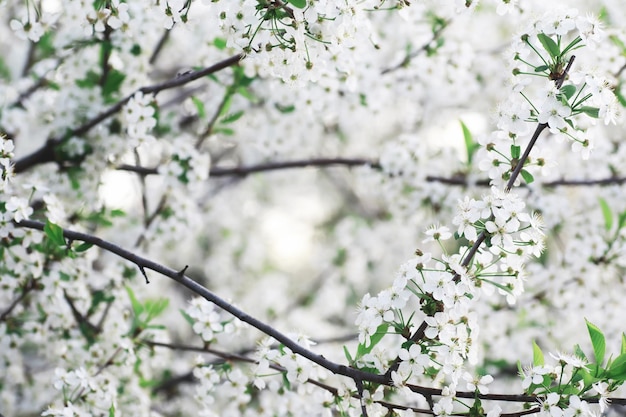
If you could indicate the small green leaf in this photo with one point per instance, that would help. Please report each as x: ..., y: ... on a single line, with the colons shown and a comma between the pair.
x: 135, y: 49
x: 542, y: 68
x: 515, y: 151
x: 136, y: 305
x: 537, y: 355
x: 608, y: 215
x: 549, y: 45
x: 220, y: 43
x: 348, y: 356
x: 590, y: 111
x: 224, y: 130
x: 118, y: 213
x: 381, y: 331
x: 617, y: 370
x: 300, y: 4
x: 597, y: 341
x: 112, y: 83
x: 83, y: 247
x: 54, y: 233
x: 579, y: 352
x: 470, y: 145
x: 568, y: 90
x: 528, y: 177
x: 621, y: 220
x: 231, y: 118
x: 199, y: 106
x: 154, y: 308
x: 187, y: 317
x: 285, y: 109
x: 623, y: 349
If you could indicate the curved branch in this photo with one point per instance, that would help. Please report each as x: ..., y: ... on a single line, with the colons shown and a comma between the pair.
x: 338, y: 369
x: 46, y: 153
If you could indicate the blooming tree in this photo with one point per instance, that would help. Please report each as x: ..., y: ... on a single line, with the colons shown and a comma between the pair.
x: 302, y: 207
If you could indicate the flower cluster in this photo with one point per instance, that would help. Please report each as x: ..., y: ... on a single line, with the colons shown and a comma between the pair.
x: 207, y: 322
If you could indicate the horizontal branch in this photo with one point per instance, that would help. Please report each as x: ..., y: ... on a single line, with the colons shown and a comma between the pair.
x: 458, y: 180
x: 46, y: 153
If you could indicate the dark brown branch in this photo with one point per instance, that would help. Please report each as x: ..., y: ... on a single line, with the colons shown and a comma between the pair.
x: 333, y: 367
x: 159, y: 46
x: 272, y: 166
x: 46, y: 153
x: 457, y: 180
x: 30, y: 285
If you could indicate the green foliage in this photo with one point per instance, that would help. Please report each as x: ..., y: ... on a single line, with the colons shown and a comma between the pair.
x: 112, y: 84
x: 568, y: 91
x: 144, y: 313
x: 538, y: 359
x: 471, y: 146
x: 199, y: 106
x: 5, y: 73
x: 607, y: 214
x: 300, y: 4
x: 54, y: 233
x: 549, y: 45
x: 597, y: 341
x: 516, y: 151
x: 528, y: 177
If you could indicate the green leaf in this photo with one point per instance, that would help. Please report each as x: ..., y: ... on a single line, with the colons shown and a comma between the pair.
x: 579, y: 352
x: 220, y: 43
x: 590, y: 111
x: 528, y: 177
x: 516, y: 151
x: 537, y: 355
x: 623, y: 349
x: 83, y: 247
x: 621, y: 220
x: 568, y: 91
x: 54, y: 233
x: 608, y: 215
x: 5, y: 72
x: 199, y: 106
x: 135, y: 49
x: 300, y: 4
x: 187, y: 317
x: 542, y: 68
x: 549, y: 45
x: 285, y: 109
x: 470, y: 145
x: 112, y: 83
x: 381, y: 331
x: 136, y: 305
x: 617, y: 370
x: 348, y: 356
x: 231, y: 118
x: 154, y: 308
x: 224, y: 130
x: 597, y: 341
x: 117, y: 213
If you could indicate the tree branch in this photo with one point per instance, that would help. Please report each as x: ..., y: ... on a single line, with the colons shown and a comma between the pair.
x: 457, y: 180
x: 338, y: 369
x: 46, y: 153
